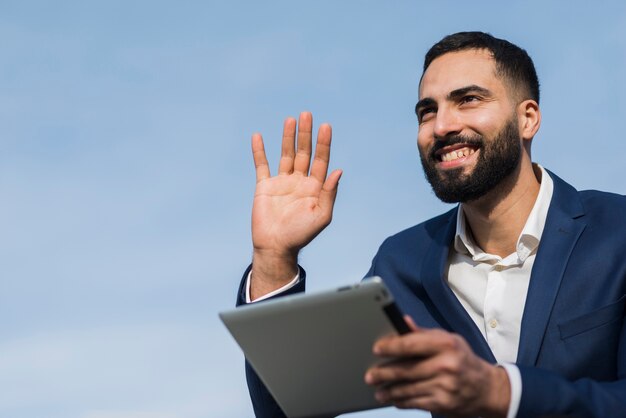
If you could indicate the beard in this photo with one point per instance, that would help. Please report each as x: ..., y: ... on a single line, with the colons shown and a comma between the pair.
x: 497, y: 160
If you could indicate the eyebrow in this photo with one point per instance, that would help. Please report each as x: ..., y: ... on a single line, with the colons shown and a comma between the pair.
x: 426, y: 102
x: 458, y: 93
x: 453, y: 95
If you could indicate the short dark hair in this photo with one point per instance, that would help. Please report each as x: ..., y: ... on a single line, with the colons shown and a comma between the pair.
x: 512, y: 62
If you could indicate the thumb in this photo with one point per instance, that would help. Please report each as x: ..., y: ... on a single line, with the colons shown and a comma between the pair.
x: 328, y: 193
x: 409, y: 321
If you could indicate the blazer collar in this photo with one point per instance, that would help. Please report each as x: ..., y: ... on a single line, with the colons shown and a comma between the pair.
x: 564, y: 225
x: 453, y: 315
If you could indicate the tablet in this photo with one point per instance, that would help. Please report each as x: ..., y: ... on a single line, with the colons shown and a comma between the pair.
x: 312, y: 350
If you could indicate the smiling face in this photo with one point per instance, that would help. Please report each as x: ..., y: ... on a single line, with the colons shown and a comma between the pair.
x: 469, y: 140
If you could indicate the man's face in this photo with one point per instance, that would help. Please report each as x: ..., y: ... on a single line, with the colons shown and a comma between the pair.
x: 468, y: 138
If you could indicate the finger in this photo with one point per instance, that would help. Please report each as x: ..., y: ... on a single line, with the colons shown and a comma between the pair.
x: 429, y: 396
x: 421, y: 343
x: 260, y: 160
x: 288, y: 147
x: 403, y: 391
x: 409, y: 321
x: 319, y: 167
x: 394, y: 372
x: 410, y: 395
x: 303, y: 150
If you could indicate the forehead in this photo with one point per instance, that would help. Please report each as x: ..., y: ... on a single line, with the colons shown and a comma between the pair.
x: 459, y: 69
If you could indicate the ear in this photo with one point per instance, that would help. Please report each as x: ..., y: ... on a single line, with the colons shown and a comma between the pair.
x: 528, y: 118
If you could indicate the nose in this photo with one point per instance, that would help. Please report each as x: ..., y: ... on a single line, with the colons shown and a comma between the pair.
x: 447, y: 122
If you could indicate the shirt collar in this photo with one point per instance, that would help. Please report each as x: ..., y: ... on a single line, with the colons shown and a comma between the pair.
x: 530, y: 236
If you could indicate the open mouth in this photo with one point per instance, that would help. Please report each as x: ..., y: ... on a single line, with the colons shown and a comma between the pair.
x: 456, y: 152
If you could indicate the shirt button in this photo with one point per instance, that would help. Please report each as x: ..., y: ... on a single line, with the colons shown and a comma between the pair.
x: 498, y: 267
x: 493, y: 323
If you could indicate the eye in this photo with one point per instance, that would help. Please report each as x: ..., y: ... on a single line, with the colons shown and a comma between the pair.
x: 425, y: 113
x: 469, y: 99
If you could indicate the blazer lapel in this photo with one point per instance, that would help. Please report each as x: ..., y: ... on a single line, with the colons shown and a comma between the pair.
x: 560, y: 234
x: 453, y: 316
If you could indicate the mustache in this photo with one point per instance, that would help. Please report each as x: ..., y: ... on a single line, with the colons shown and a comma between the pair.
x: 440, y: 143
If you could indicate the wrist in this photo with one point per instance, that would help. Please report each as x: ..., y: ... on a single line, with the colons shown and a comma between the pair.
x: 498, y: 397
x: 271, y: 270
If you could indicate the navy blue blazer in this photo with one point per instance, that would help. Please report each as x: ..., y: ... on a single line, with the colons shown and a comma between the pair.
x: 572, y: 352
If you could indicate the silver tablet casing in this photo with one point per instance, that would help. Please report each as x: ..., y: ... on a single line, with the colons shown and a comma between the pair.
x: 312, y: 350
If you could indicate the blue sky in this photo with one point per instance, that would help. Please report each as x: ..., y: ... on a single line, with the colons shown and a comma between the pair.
x: 126, y: 178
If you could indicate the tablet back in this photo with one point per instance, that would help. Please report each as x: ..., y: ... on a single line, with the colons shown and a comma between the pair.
x: 312, y: 350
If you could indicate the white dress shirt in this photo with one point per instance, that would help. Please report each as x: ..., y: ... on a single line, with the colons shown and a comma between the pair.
x: 493, y: 289
x: 288, y: 286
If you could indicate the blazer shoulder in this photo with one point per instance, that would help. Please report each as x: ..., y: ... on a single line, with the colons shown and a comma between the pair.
x: 599, y: 200
x: 590, y: 204
x: 420, y: 235
x: 605, y: 212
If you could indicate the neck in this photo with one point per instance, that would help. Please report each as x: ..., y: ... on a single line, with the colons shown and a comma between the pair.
x: 496, y: 220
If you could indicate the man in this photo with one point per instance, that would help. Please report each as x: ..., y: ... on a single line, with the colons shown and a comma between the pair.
x: 519, y: 292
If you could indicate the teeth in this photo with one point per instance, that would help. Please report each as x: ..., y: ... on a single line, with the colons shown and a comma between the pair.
x: 456, y: 154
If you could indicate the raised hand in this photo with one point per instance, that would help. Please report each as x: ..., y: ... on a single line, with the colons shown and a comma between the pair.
x: 291, y: 208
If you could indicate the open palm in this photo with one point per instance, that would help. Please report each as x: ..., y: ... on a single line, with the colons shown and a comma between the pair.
x: 291, y: 208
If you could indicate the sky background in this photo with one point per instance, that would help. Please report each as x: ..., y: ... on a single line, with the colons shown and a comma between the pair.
x: 126, y: 179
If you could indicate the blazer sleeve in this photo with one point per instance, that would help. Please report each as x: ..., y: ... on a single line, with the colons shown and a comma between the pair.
x: 263, y: 402
x: 545, y: 393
